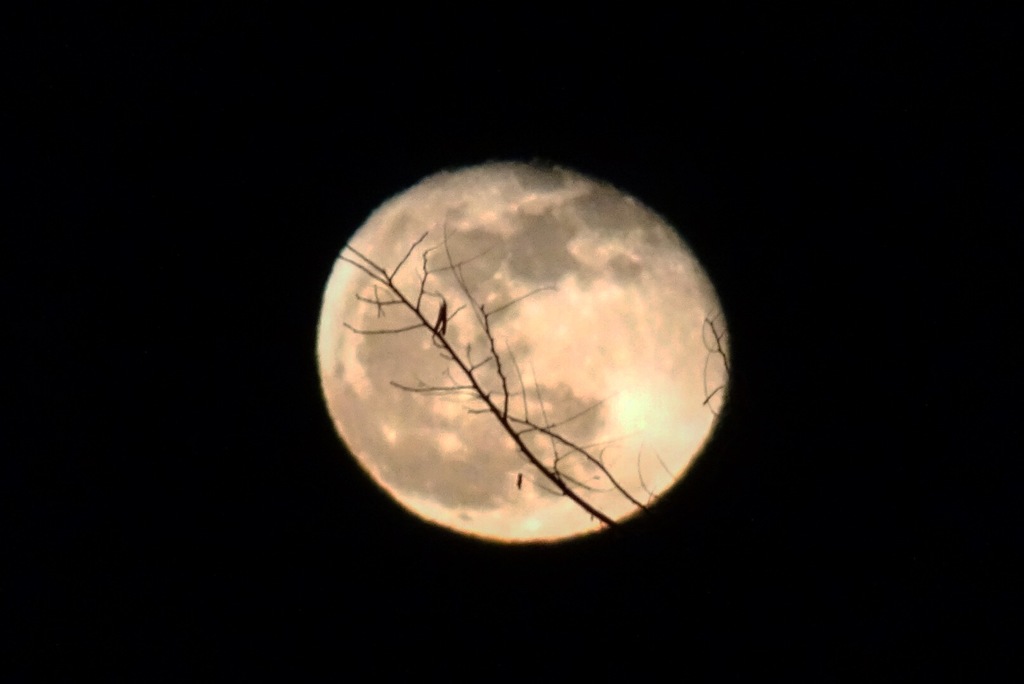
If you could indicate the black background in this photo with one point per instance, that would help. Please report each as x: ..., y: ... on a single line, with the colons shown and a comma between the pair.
x: 180, y: 506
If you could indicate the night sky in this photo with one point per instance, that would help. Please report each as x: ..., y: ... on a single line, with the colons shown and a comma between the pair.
x: 181, y: 182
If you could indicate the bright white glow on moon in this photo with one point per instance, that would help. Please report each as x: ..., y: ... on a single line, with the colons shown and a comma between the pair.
x: 577, y: 322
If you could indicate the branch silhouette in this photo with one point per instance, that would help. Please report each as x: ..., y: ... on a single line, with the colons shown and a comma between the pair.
x: 714, y: 336
x: 495, y: 395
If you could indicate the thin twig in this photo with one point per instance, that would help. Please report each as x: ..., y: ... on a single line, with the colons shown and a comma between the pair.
x: 586, y: 454
x: 434, y: 389
x: 522, y: 387
x: 415, y: 244
x: 364, y: 269
x: 497, y: 361
x: 386, y: 331
x: 521, y: 298
x: 713, y: 350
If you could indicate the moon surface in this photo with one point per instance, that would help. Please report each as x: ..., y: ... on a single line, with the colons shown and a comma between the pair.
x: 594, y: 339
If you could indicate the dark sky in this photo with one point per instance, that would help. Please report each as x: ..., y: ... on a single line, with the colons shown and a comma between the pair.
x: 181, y: 185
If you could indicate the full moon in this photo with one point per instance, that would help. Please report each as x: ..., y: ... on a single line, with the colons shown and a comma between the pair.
x: 521, y: 353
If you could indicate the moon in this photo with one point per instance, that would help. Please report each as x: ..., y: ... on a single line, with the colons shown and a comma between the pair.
x: 577, y: 370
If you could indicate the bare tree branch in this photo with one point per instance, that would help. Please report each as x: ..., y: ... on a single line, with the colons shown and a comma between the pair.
x: 522, y: 387
x: 415, y: 244
x: 715, y: 347
x: 651, y: 494
x: 521, y: 298
x: 459, y: 264
x: 378, y: 302
x: 587, y: 455
x: 385, y: 331
x: 566, y: 421
x: 497, y: 362
x: 433, y: 389
x: 365, y: 270
x: 640, y: 474
x: 472, y: 385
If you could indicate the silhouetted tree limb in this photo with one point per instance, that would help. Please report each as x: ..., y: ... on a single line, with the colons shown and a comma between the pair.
x: 651, y: 494
x: 494, y: 400
x: 714, y: 336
